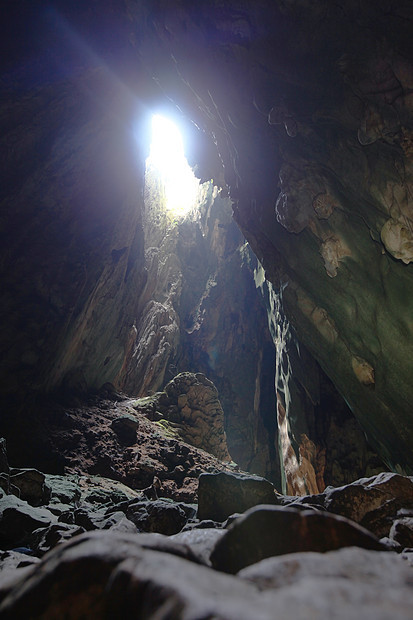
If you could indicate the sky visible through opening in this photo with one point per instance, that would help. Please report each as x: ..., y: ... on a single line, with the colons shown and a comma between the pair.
x: 167, y: 161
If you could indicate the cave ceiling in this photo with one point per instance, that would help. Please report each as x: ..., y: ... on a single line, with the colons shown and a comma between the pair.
x: 303, y: 110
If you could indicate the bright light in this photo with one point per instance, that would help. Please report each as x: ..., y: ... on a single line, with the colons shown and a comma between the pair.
x: 167, y: 159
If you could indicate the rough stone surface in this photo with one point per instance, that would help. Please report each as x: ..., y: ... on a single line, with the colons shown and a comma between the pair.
x: 222, y: 494
x: 30, y: 486
x: 372, y: 502
x: 44, y: 539
x: 81, y: 443
x: 114, y: 569
x: 352, y: 581
x: 190, y: 409
x: 125, y: 427
x: 157, y: 516
x: 95, y: 578
x: 12, y: 560
x: 18, y: 520
x: 265, y: 531
x: 201, y: 541
x: 105, y: 574
x: 358, y: 565
x: 401, y: 532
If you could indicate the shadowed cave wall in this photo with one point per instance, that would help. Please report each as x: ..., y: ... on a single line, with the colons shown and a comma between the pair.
x: 311, y: 133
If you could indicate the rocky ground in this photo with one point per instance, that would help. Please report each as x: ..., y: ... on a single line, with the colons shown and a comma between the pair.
x: 133, y: 441
x: 139, y: 523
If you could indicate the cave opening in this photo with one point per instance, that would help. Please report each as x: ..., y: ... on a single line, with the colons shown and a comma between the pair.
x: 168, y: 166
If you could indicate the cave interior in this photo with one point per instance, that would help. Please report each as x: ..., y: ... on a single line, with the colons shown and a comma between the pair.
x: 262, y: 339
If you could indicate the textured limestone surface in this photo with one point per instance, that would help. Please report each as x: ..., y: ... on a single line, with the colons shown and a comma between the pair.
x: 193, y: 410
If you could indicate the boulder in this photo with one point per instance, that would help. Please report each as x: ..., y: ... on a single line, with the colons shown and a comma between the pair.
x: 265, y: 531
x: 13, y: 559
x: 372, y: 502
x: 358, y: 565
x: 101, y: 491
x: 159, y: 516
x: 63, y: 489
x: 90, y: 519
x: 125, y: 428
x: 200, y: 541
x: 221, y: 494
x: 104, y: 575
x: 44, y: 539
x: 18, y: 520
x: 402, y: 532
x: 30, y: 486
x: 342, y: 584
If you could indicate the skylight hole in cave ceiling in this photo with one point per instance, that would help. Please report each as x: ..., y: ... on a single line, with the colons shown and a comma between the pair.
x: 168, y: 166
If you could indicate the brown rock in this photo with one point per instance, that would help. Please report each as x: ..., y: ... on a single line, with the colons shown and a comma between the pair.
x: 125, y: 427
x: 372, y: 502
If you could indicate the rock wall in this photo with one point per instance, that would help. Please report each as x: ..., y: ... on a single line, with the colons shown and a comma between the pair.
x: 310, y: 107
x: 72, y: 231
x: 302, y: 109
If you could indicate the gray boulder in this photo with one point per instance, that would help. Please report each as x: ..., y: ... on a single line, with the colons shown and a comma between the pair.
x: 266, y: 531
x: 30, y: 485
x: 159, y: 516
x: 104, y: 575
x: 18, y: 520
x: 372, y: 502
x: 221, y: 494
